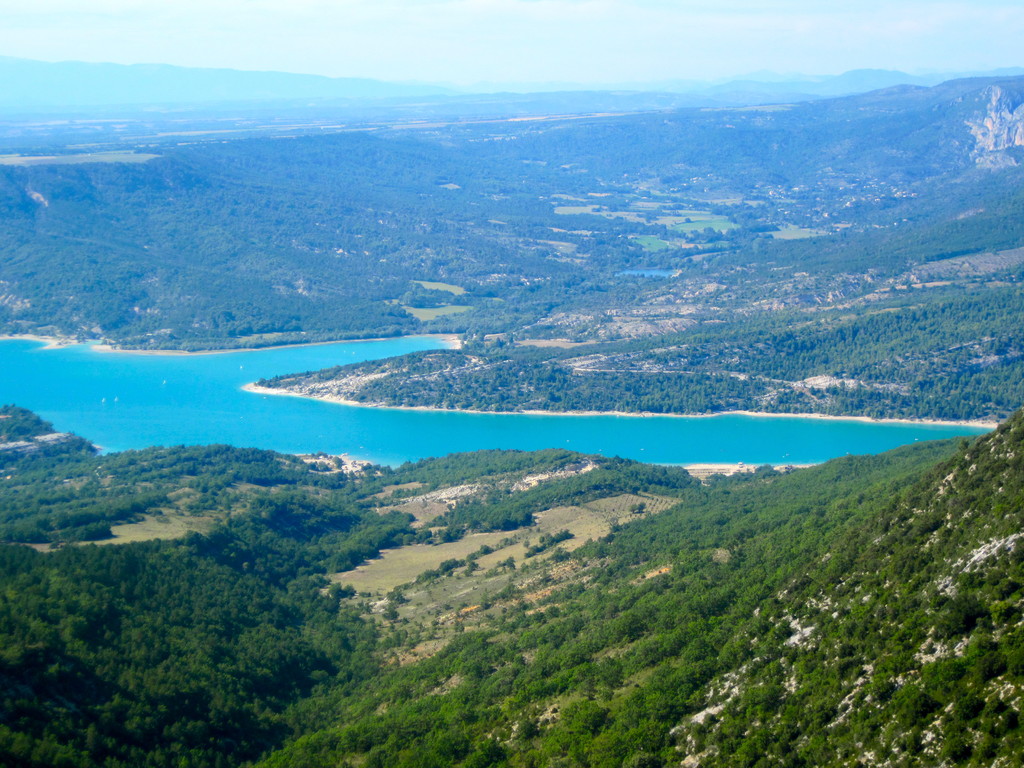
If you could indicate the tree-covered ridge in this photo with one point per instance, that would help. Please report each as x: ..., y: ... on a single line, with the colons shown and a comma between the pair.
x: 20, y: 424
x: 23, y: 433
x: 905, y: 643
x: 165, y: 654
x: 72, y: 495
x: 955, y: 356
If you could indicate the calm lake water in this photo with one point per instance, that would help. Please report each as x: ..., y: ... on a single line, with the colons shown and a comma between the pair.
x: 123, y: 400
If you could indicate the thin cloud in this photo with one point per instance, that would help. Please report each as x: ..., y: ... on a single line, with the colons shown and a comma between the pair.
x: 472, y: 40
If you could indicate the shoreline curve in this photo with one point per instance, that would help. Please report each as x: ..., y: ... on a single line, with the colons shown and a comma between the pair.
x: 974, y: 424
x: 57, y: 342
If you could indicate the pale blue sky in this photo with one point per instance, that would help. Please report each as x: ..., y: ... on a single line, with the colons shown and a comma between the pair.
x: 467, y: 41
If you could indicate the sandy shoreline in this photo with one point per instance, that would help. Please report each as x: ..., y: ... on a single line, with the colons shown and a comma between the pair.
x: 53, y: 342
x: 255, y: 388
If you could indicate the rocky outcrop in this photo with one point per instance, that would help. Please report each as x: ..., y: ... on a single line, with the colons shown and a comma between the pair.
x: 35, y: 444
x: 999, y: 127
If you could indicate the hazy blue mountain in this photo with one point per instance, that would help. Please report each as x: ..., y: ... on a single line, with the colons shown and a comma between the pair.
x: 757, y: 86
x: 35, y: 84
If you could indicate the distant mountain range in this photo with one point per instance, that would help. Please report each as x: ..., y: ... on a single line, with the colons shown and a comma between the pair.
x: 30, y: 86
x: 764, y: 83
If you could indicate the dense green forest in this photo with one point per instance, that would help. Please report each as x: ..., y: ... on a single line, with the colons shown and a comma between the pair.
x: 867, y: 606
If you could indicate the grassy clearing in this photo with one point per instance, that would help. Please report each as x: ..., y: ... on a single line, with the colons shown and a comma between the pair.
x: 559, y: 245
x: 573, y: 210
x: 690, y: 213
x: 432, y: 286
x: 585, y: 522
x: 153, y: 527
x: 720, y: 223
x: 432, y: 313
x: 651, y: 244
x: 400, y: 566
x: 637, y: 217
x: 437, y: 608
x: 389, y: 490
x: 423, y: 510
x: 92, y: 157
x: 645, y: 213
x: 792, y: 232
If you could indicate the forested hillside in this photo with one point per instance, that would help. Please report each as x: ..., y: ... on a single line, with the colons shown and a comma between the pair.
x: 866, y: 609
x: 497, y: 226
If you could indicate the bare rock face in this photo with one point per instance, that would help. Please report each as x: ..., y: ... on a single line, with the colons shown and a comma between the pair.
x: 998, y: 128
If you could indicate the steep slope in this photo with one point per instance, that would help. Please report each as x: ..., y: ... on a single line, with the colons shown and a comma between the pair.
x: 902, y: 645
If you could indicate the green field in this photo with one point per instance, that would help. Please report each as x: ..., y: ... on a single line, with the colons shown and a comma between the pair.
x: 166, y: 526
x: 472, y: 592
x: 401, y: 566
x: 585, y: 522
x: 432, y: 313
x: 93, y: 157
x: 651, y: 243
x: 792, y: 232
x: 698, y: 222
x: 681, y: 221
x: 573, y: 210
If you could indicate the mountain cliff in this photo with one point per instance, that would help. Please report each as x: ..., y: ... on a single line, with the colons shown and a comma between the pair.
x: 999, y: 126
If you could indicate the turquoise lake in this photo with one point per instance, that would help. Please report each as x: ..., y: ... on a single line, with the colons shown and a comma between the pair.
x: 124, y: 400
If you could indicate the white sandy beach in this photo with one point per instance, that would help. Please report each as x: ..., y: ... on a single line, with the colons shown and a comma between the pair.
x: 644, y: 414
